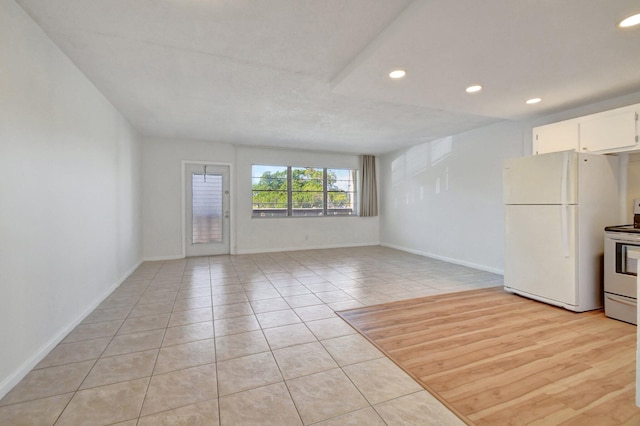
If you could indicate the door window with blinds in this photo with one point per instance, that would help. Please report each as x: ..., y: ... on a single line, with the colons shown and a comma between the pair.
x: 206, y: 208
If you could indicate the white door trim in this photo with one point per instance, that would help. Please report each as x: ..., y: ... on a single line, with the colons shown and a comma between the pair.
x: 232, y: 202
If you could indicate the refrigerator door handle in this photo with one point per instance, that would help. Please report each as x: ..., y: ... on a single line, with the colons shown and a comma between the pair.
x: 564, y: 208
x: 565, y: 178
x: 565, y: 229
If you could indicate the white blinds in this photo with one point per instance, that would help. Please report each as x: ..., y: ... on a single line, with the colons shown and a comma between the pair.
x: 206, y: 208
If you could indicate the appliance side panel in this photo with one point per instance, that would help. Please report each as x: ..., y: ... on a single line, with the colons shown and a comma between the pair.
x: 540, y: 248
x: 598, y: 208
x: 540, y: 179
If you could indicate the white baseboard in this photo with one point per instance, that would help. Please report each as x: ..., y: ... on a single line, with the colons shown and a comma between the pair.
x: 13, y: 379
x: 271, y: 250
x: 317, y: 247
x: 160, y: 258
x: 446, y: 259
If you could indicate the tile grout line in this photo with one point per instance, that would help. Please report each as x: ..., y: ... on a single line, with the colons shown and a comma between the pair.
x: 146, y: 392
x: 100, y: 356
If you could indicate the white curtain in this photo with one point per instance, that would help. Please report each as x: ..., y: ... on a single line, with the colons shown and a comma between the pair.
x: 368, y: 190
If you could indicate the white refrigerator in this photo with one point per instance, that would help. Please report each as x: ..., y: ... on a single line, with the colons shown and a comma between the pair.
x: 556, y: 208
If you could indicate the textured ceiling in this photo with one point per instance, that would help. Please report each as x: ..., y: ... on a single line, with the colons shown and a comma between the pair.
x: 312, y: 74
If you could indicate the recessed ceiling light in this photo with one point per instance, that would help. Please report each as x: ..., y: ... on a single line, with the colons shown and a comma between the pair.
x: 397, y: 73
x: 630, y: 21
x: 474, y: 89
x: 533, y: 101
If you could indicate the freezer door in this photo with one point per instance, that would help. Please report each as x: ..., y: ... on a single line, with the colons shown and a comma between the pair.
x: 541, y: 179
x: 540, y: 252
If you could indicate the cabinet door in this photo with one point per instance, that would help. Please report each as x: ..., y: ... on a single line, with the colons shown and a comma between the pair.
x: 610, y: 131
x: 556, y: 137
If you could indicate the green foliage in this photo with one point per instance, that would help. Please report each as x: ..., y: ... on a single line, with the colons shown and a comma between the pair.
x: 271, y: 191
x: 306, y: 190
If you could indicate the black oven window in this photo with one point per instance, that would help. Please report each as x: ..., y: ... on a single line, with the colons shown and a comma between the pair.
x: 623, y: 264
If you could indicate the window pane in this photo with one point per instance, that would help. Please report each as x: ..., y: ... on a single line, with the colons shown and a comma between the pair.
x: 269, y: 191
x: 269, y: 177
x: 306, y: 179
x: 341, y: 195
x: 306, y: 191
x: 306, y: 203
x: 206, y: 202
x: 306, y: 200
x: 269, y: 203
x: 340, y: 180
x: 340, y: 203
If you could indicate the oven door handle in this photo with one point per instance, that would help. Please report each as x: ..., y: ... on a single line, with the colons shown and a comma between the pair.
x: 626, y: 240
x: 623, y: 301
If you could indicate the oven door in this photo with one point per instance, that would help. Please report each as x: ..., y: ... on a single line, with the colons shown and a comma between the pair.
x: 619, y: 271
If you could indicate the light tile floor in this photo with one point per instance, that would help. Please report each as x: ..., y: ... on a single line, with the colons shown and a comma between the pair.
x: 241, y: 340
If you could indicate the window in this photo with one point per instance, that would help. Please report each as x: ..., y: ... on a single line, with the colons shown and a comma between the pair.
x: 270, y: 191
x: 280, y: 191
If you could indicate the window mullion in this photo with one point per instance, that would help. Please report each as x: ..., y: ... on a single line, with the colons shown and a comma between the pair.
x: 289, y: 192
x: 324, y: 192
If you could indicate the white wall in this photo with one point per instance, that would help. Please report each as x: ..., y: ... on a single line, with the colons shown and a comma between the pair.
x: 70, y: 227
x: 462, y: 222
x: 162, y: 189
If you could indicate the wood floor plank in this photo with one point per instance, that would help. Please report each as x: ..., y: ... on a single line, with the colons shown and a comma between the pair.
x: 524, y: 413
x: 497, y: 358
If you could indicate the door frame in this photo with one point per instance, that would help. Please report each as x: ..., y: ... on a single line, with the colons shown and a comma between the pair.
x: 232, y: 202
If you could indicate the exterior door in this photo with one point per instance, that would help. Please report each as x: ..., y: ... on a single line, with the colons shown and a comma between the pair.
x: 206, y: 210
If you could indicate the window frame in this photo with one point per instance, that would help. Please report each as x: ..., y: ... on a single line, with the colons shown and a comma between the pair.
x: 324, y: 211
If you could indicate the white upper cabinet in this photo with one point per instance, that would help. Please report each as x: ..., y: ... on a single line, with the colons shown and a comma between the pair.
x: 610, y: 131
x: 556, y: 137
x: 602, y: 133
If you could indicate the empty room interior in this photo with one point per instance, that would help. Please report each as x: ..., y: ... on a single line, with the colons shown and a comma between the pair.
x: 319, y: 212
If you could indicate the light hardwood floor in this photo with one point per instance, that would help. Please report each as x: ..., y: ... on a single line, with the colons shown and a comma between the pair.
x: 495, y: 358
